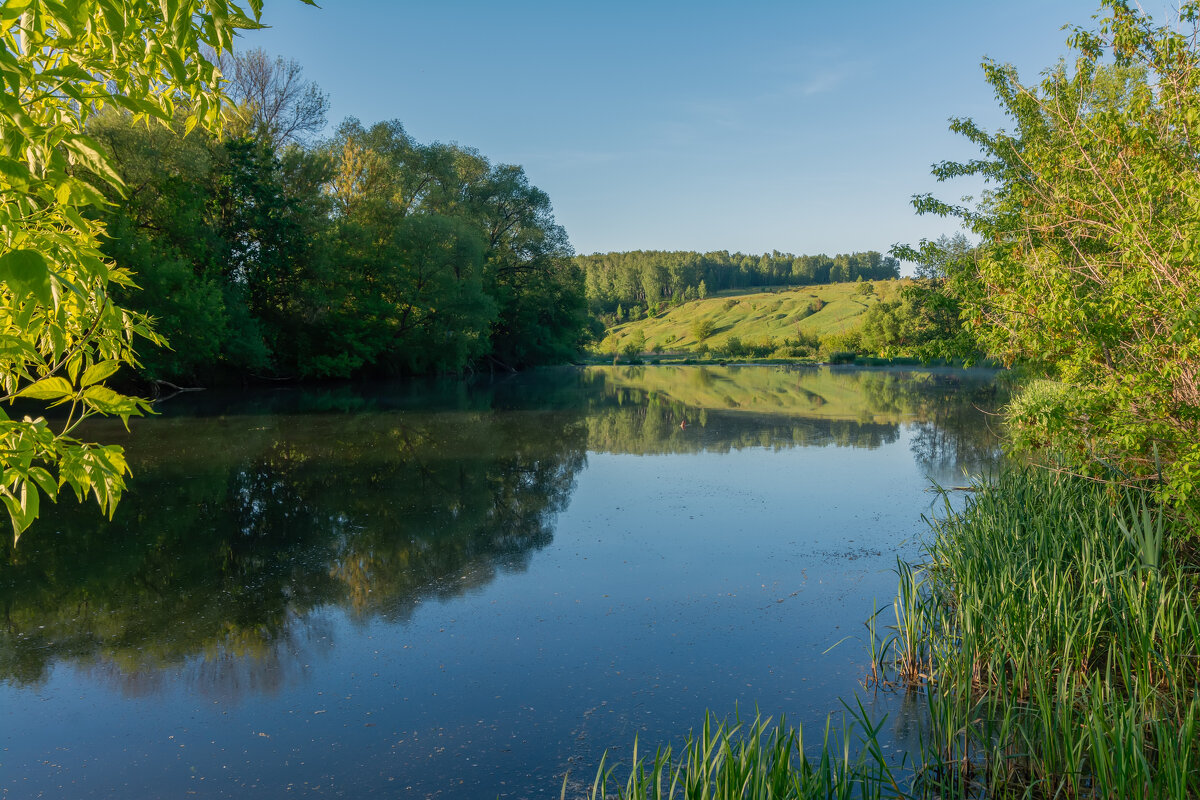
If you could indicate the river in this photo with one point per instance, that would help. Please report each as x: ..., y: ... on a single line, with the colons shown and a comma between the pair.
x: 467, y: 588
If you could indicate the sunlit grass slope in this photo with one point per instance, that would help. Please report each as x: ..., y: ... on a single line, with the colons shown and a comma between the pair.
x: 779, y: 314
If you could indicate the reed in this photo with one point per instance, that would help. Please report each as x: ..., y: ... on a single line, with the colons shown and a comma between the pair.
x: 1059, y: 623
x: 756, y: 761
x: 1052, y: 631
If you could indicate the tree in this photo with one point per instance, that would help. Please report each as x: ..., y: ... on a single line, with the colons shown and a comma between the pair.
x: 1091, y: 237
x: 61, y: 334
x: 925, y: 320
x: 530, y: 272
x: 701, y: 328
x: 276, y: 103
x: 635, y: 345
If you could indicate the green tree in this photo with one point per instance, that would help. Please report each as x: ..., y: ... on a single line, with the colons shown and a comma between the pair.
x: 61, y: 334
x: 635, y: 345
x: 925, y: 320
x: 407, y: 287
x: 1091, y: 237
x: 702, y: 328
x: 530, y: 272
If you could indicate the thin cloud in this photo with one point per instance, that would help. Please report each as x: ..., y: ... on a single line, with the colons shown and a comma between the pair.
x: 823, y: 82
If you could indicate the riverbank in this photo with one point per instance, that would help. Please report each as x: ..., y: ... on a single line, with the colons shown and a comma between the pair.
x: 1051, y: 629
x: 835, y: 359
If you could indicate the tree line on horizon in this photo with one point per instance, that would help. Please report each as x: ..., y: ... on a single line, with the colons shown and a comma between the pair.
x: 628, y: 285
x: 262, y: 250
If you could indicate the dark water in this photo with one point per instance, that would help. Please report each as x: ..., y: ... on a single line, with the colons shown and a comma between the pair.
x: 435, y: 589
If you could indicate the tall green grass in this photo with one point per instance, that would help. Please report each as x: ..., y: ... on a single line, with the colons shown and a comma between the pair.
x: 1058, y: 627
x: 757, y: 761
x: 1053, y: 634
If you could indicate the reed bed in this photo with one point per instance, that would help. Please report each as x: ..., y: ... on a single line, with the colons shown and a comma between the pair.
x: 1056, y: 625
x: 1052, y: 634
x: 756, y: 761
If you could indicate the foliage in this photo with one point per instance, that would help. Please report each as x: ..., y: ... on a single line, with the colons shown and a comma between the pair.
x: 530, y: 271
x: 842, y: 346
x: 701, y: 328
x: 207, y: 234
x: 644, y: 279
x: 367, y: 254
x: 635, y: 345
x: 62, y: 335
x: 925, y: 320
x: 755, y: 761
x: 1091, y: 237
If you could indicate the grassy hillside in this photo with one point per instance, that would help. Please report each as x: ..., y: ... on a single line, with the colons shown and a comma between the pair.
x: 780, y: 314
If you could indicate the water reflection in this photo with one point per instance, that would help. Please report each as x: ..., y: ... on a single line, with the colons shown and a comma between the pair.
x: 739, y: 407
x: 237, y: 528
x: 250, y: 514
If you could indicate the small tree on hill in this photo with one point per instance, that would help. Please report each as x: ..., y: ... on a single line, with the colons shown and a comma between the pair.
x: 701, y: 329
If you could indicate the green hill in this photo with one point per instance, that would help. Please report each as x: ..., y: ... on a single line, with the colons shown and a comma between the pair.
x: 758, y: 318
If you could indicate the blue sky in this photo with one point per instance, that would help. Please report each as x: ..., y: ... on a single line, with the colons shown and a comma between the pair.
x: 797, y: 126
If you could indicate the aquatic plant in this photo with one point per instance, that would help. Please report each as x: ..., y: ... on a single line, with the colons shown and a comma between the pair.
x: 1053, y: 634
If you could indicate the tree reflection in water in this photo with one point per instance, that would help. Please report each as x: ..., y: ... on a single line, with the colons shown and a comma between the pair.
x: 249, y: 516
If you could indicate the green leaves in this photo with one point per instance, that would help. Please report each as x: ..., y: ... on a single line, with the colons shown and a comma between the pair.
x: 59, y: 65
x: 48, y: 389
x: 25, y: 272
x: 1087, y: 271
x: 99, y: 372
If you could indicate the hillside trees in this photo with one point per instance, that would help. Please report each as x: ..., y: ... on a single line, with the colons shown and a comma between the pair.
x: 647, y: 279
x: 1091, y: 240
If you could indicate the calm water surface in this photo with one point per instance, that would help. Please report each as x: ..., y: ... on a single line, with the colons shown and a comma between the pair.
x: 441, y: 589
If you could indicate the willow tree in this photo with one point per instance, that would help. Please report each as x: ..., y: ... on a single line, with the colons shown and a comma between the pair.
x: 1088, y: 268
x: 61, y: 334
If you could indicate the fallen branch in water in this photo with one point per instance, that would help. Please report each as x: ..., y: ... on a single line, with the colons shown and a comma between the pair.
x: 158, y: 397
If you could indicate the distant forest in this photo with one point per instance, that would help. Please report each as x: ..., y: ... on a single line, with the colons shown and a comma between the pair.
x: 642, y: 281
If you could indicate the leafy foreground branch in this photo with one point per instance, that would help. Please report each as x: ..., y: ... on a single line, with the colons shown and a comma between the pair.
x: 1053, y: 637
x: 61, y: 334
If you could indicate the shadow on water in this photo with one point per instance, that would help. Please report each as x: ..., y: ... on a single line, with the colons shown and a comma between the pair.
x: 249, y: 512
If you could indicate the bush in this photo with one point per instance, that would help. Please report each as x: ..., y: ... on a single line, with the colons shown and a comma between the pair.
x: 841, y: 357
x: 845, y: 341
x: 701, y: 329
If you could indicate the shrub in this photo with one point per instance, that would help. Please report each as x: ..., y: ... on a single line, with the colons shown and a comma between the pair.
x: 701, y: 329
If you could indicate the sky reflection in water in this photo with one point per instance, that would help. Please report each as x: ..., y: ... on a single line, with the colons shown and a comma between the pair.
x: 434, y: 588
